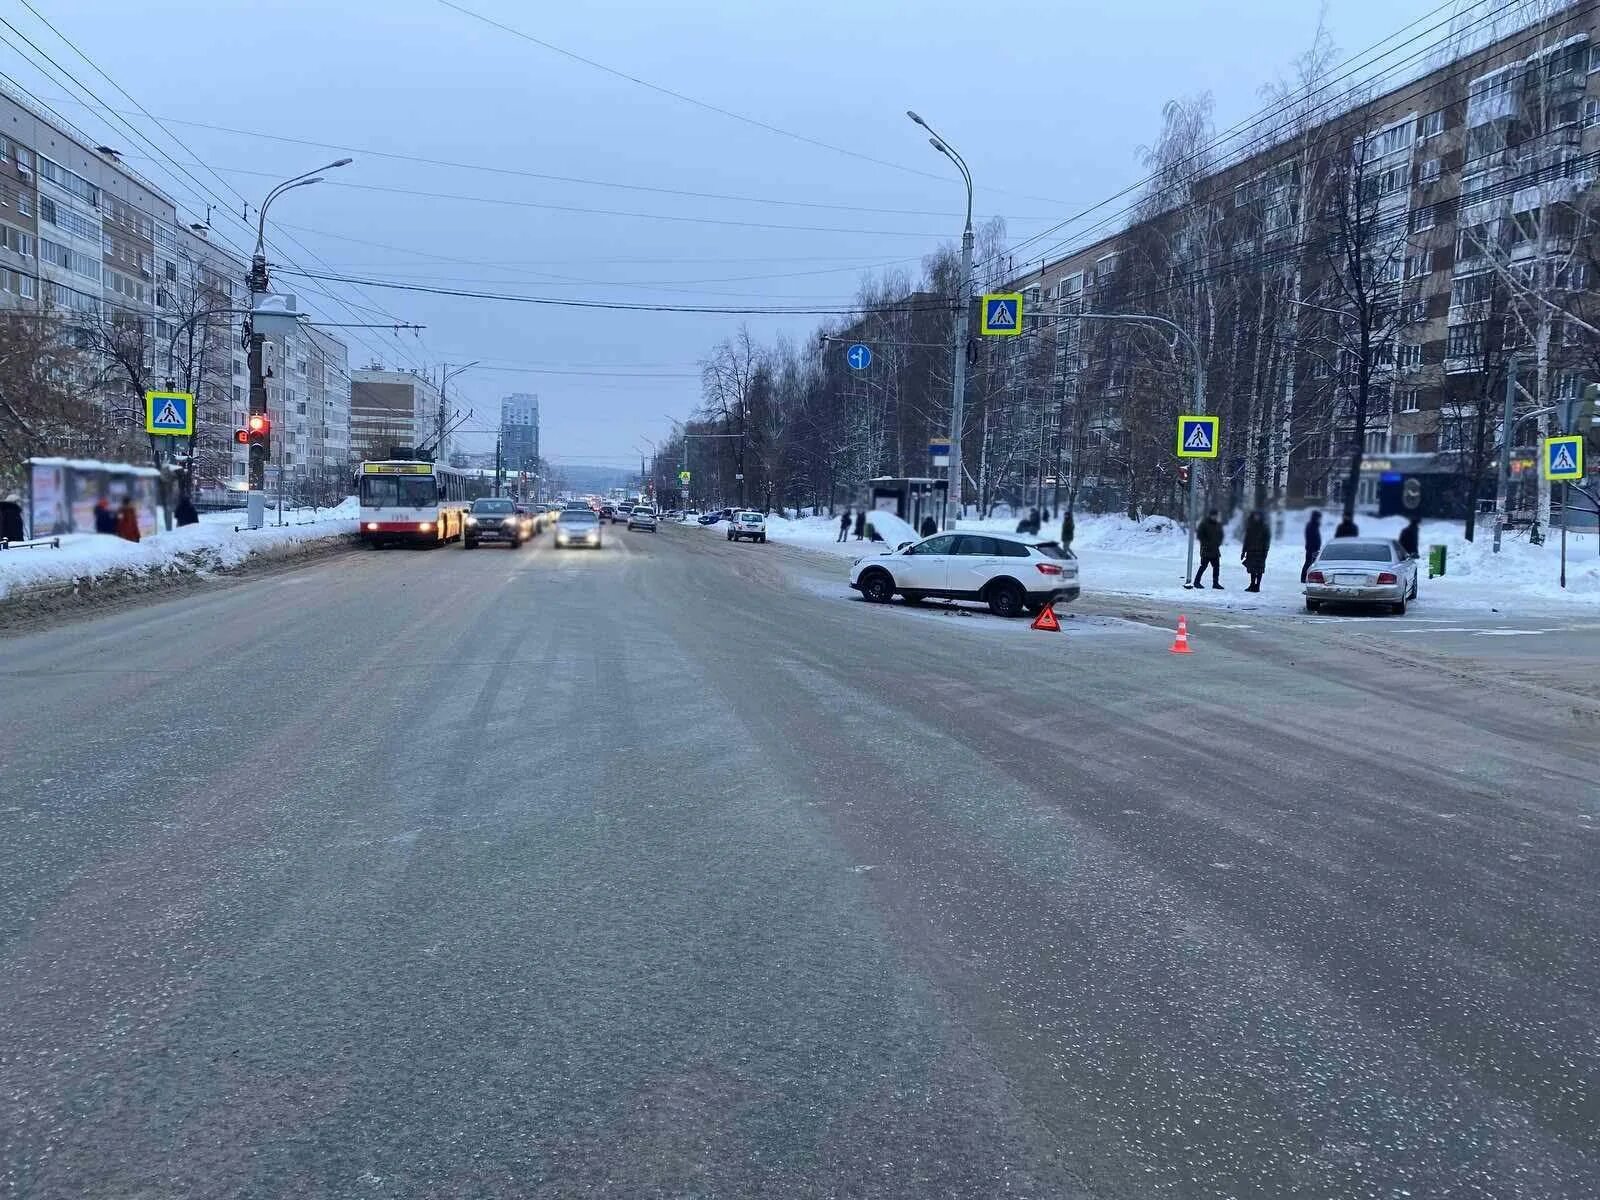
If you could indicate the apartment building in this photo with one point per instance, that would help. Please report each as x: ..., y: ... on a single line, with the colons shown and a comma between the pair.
x: 391, y: 409
x: 84, y: 235
x: 519, y: 431
x: 1469, y: 186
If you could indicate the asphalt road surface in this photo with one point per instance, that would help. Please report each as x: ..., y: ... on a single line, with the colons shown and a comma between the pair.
x: 673, y: 870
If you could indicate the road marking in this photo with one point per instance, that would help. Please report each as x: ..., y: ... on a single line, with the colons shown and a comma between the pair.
x: 1479, y: 632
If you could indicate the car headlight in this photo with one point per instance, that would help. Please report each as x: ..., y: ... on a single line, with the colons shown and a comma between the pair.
x: 471, y: 520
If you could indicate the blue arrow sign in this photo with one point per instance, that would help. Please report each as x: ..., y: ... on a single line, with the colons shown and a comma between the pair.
x: 859, y: 357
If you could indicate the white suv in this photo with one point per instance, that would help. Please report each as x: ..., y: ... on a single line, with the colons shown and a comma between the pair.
x: 1012, y: 573
x: 747, y: 524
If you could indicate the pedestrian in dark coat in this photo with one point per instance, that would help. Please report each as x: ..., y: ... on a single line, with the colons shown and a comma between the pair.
x: 929, y: 527
x: 844, y: 525
x: 105, y: 520
x: 1411, y: 536
x: 185, y: 513
x: 1033, y: 520
x: 861, y: 524
x: 1209, y: 534
x: 127, y: 521
x: 1068, y: 528
x: 1347, y: 527
x: 1257, y: 539
x: 1313, y: 541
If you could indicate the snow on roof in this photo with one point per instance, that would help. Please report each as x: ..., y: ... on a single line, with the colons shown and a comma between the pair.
x: 91, y: 464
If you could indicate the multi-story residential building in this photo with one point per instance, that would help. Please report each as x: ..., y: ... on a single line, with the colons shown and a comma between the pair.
x: 390, y: 409
x: 1465, y: 192
x: 153, y: 301
x: 519, y: 432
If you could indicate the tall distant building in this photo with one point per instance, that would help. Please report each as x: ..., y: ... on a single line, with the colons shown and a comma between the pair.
x: 519, y: 431
x: 389, y: 409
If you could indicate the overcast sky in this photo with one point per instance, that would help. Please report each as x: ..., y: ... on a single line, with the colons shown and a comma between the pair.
x: 1049, y: 103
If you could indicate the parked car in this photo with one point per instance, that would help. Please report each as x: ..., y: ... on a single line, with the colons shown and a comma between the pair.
x: 578, y: 527
x: 711, y: 518
x: 621, y: 514
x: 748, y: 524
x: 1012, y: 573
x: 1357, y: 570
x: 643, y: 517
x: 492, y: 519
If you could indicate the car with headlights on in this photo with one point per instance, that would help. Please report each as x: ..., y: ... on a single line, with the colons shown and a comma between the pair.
x: 1361, y: 571
x: 1013, y: 574
x: 492, y: 519
x: 578, y: 527
x: 642, y: 517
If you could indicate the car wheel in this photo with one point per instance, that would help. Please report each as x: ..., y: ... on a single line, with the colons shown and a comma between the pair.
x: 468, y: 544
x: 1399, y: 608
x: 1006, y: 598
x: 877, y: 586
x: 1413, y: 589
x: 762, y: 539
x: 1313, y: 605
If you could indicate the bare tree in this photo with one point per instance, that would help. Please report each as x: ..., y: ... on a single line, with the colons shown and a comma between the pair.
x: 46, y: 405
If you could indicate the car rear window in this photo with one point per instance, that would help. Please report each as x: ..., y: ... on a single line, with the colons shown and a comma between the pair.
x: 1357, y: 552
x: 750, y: 518
x: 1053, y: 550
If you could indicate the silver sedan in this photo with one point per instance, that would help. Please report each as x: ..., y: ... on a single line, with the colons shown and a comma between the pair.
x: 1362, y: 571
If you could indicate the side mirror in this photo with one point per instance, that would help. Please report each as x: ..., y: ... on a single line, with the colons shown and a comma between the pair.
x: 903, y: 547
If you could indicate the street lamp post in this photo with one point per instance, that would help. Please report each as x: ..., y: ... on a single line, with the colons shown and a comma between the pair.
x: 958, y: 385
x: 259, y: 283
x: 445, y: 376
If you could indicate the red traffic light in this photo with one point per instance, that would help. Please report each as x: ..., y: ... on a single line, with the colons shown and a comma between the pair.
x: 242, y: 436
x: 1183, y: 473
x: 258, y: 424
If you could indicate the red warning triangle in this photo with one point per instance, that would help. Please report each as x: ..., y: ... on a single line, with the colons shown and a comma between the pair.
x: 1046, y: 620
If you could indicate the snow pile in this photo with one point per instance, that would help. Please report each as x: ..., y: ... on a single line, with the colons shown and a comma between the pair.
x: 210, y: 545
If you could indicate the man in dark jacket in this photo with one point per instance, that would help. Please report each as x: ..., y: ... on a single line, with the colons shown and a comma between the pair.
x: 1068, y: 528
x: 1313, y: 541
x: 861, y: 524
x: 929, y: 527
x: 1411, y: 536
x: 105, y: 519
x: 1347, y: 527
x: 844, y: 526
x: 1257, y: 540
x: 1209, y: 534
x: 185, y: 513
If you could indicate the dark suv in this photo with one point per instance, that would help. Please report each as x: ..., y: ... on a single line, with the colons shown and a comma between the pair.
x: 493, y: 519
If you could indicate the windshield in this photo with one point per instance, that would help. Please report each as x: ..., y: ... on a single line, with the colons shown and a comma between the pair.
x: 493, y: 506
x: 579, y: 518
x: 1357, y: 552
x: 398, y: 491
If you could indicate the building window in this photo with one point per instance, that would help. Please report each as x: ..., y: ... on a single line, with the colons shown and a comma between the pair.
x: 25, y: 203
x: 1422, y: 218
x: 1429, y: 171
x: 1377, y: 441
x: 1418, y: 265
x: 1405, y: 443
x: 1410, y: 356
x: 1465, y: 341
x: 1410, y: 400
x: 1431, y: 125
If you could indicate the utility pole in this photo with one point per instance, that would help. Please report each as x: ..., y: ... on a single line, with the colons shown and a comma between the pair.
x: 1502, y: 500
x: 958, y: 385
x: 497, y: 463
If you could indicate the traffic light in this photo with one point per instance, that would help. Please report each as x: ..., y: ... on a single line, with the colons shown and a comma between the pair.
x: 257, y: 434
x: 1183, y: 474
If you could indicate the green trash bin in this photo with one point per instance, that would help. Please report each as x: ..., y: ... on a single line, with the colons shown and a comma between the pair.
x: 1436, y: 557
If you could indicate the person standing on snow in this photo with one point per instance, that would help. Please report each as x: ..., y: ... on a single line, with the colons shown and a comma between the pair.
x: 861, y: 524
x: 105, y: 520
x: 127, y: 521
x: 185, y: 513
x: 1347, y: 527
x: 1411, y: 536
x: 1209, y: 534
x: 1257, y: 540
x: 929, y: 527
x: 1068, y: 528
x: 1313, y: 541
x: 844, y: 526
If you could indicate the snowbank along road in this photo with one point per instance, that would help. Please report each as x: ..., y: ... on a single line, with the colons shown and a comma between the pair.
x: 673, y: 869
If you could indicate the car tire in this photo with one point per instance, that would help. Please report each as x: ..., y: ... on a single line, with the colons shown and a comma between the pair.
x: 762, y: 539
x: 468, y: 544
x: 877, y: 586
x: 1398, y: 608
x: 1313, y: 605
x: 1006, y: 598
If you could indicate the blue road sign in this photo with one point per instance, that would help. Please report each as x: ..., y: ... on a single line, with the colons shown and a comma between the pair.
x: 859, y: 357
x: 1001, y: 315
x: 1197, y: 436
x: 169, y: 414
x: 939, y: 451
x: 1563, y: 458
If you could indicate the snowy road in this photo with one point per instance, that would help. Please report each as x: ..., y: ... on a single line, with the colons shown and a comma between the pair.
x: 675, y: 870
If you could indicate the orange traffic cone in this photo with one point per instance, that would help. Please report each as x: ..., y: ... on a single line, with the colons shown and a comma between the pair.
x: 1180, y: 644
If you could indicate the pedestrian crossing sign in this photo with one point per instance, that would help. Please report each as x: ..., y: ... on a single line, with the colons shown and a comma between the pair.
x: 1002, y: 314
x: 1563, y: 458
x: 1197, y: 436
x: 169, y: 414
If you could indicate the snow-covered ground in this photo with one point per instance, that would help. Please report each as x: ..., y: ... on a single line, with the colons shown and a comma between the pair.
x: 1120, y: 557
x: 208, y: 546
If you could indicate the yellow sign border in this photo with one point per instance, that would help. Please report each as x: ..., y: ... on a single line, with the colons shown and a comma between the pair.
x: 1575, y: 440
x: 150, y: 427
x: 983, y: 314
x: 1216, y: 436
